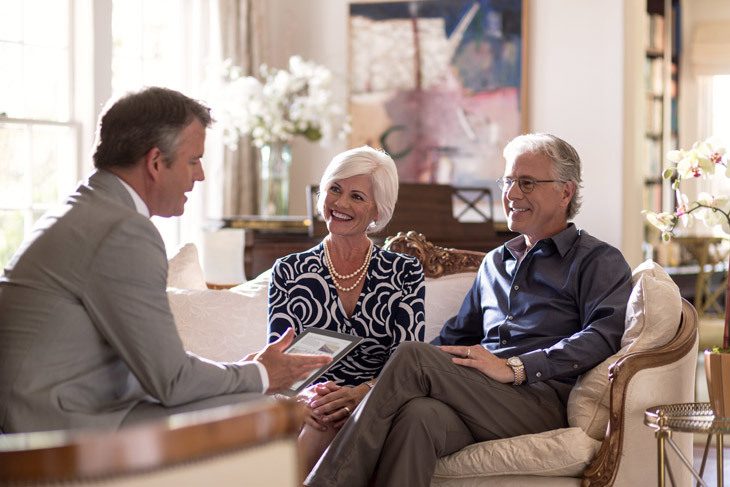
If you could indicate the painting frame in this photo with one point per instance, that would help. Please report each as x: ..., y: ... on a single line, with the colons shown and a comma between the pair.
x: 424, y: 151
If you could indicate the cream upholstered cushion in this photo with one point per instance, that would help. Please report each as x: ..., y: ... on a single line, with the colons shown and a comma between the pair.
x: 444, y: 296
x: 561, y: 452
x: 652, y: 318
x: 184, y: 270
x: 223, y: 325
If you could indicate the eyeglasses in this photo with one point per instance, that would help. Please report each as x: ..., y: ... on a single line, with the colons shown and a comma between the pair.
x: 527, y: 185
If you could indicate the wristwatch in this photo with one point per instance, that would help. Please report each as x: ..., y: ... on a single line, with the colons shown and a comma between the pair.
x: 518, y: 368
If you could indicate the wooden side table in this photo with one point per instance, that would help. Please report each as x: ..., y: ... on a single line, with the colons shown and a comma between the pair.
x: 686, y: 418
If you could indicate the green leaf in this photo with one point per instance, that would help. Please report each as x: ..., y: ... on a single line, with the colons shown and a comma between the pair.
x: 312, y: 133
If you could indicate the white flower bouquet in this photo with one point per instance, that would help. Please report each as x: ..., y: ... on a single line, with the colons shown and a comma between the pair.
x: 287, y: 103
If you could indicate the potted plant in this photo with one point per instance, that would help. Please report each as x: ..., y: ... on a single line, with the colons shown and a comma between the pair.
x: 703, y: 160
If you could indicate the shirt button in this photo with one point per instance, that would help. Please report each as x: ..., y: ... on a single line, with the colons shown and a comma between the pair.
x: 504, y: 342
x: 539, y: 374
x: 517, y: 288
x: 575, y: 366
x: 509, y: 317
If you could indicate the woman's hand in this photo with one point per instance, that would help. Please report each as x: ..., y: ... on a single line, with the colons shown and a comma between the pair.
x: 333, y: 404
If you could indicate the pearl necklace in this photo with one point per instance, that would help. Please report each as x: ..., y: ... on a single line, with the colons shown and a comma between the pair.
x: 336, y: 275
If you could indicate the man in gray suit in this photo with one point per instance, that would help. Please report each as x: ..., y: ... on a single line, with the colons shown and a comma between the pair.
x: 87, y: 338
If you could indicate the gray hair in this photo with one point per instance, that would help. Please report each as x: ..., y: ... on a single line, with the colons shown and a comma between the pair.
x: 566, y: 162
x: 360, y: 161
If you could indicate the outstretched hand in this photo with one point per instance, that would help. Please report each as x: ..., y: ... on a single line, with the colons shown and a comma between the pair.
x: 478, y: 357
x: 283, y: 368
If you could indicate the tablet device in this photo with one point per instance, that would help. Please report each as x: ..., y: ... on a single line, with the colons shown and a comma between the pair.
x: 315, y: 341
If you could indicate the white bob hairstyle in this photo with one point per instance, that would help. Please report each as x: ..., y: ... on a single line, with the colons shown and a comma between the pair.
x: 360, y: 161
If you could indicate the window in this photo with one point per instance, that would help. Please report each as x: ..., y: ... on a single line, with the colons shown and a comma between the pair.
x: 166, y: 43
x: 720, y: 125
x: 46, y: 132
x: 39, y: 161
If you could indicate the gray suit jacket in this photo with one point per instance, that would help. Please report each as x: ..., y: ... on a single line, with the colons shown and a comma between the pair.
x: 86, y: 331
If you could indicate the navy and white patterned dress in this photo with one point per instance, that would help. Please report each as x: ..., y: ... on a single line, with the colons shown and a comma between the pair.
x: 390, y: 308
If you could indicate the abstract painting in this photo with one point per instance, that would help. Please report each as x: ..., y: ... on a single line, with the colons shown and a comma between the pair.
x: 438, y: 84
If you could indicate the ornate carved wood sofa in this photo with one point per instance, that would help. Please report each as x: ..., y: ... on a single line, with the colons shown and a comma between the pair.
x: 606, y: 443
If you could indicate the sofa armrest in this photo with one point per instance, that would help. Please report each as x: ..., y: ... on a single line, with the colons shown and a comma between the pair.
x: 604, y: 468
x: 180, y: 441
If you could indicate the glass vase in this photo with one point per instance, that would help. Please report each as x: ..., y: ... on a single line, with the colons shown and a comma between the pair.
x: 274, y: 164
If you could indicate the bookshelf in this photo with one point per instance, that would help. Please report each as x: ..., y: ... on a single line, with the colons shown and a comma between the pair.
x: 661, y: 74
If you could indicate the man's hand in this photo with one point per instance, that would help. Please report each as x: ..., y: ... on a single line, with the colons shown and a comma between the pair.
x: 478, y: 357
x: 285, y: 369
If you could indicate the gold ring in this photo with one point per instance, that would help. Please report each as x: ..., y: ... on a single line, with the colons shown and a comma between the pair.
x: 347, y: 410
x: 468, y: 352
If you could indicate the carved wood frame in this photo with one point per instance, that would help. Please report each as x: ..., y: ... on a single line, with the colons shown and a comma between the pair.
x: 602, y: 470
x: 437, y: 261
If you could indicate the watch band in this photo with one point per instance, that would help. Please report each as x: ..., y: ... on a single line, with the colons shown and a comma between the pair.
x: 518, y: 369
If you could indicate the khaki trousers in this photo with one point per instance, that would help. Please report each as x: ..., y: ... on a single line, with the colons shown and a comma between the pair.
x: 425, y: 407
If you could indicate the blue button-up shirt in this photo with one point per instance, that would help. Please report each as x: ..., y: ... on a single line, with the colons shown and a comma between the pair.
x: 561, y: 308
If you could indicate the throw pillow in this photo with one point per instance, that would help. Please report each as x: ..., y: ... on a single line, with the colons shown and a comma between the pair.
x: 563, y: 452
x: 184, y: 270
x: 652, y: 318
x: 444, y: 296
x: 223, y: 325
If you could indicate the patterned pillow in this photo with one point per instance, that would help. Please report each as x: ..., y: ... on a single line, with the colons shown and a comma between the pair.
x: 222, y: 325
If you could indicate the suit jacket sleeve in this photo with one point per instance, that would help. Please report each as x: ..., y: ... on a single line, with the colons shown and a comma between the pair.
x: 125, y: 294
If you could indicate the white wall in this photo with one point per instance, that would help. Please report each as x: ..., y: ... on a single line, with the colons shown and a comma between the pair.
x: 576, y: 92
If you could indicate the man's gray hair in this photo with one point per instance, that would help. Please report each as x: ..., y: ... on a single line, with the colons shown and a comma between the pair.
x: 359, y: 161
x: 566, y: 162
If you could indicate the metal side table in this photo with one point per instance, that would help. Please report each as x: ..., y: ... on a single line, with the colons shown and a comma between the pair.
x: 686, y: 418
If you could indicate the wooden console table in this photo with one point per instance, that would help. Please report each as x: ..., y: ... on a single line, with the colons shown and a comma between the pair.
x: 449, y: 216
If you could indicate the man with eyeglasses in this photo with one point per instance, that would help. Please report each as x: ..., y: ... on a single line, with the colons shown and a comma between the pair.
x: 544, y: 308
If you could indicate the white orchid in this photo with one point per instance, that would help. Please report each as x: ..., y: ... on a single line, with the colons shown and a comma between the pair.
x: 704, y: 159
x: 292, y: 102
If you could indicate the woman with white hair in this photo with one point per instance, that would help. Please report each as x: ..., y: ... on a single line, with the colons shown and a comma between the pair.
x: 347, y: 284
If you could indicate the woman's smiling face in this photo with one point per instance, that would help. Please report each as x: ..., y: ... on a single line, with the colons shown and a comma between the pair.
x: 349, y: 206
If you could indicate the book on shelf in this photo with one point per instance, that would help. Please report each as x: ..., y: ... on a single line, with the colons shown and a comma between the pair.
x: 654, y: 25
x: 653, y: 158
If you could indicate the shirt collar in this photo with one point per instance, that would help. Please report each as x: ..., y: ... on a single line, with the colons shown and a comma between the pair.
x: 139, y: 203
x: 562, y: 240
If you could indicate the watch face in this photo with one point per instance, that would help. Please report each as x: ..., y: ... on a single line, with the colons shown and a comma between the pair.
x: 514, y: 361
